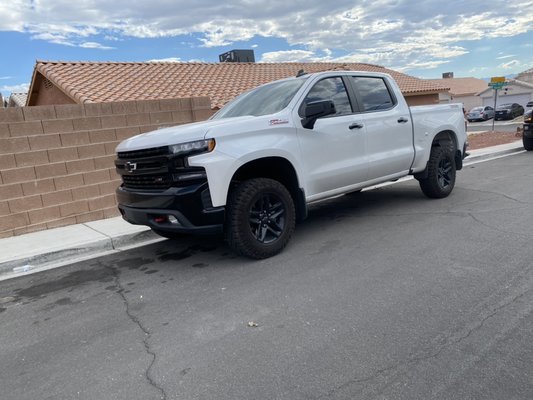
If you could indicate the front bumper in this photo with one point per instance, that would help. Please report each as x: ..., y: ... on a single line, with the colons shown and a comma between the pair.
x: 185, y: 209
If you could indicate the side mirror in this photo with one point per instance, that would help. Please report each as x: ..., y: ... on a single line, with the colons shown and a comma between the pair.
x: 315, y: 110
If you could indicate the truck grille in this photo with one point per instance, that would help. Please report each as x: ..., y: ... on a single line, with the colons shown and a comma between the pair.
x: 156, y: 169
x: 156, y: 151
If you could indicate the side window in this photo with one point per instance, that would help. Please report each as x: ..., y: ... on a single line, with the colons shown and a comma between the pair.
x: 373, y: 92
x: 330, y: 89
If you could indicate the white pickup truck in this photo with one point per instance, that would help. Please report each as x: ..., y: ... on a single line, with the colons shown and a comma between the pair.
x: 251, y: 170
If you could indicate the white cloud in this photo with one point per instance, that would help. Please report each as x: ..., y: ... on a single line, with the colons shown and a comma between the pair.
x: 422, y: 34
x: 504, y: 57
x: 289, y: 56
x: 169, y: 59
x: 5, y: 77
x: 20, y: 88
x: 94, y: 45
x: 513, y: 64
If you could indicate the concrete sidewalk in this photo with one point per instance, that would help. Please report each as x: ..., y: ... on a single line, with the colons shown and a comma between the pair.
x: 52, y: 248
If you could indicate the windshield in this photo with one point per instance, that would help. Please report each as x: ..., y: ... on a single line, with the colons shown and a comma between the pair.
x: 264, y: 100
x: 476, y: 109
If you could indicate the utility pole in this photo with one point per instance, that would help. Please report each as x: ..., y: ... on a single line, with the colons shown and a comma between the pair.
x: 495, y: 101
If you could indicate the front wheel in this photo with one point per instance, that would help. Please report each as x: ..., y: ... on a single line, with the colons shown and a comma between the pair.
x: 441, y: 173
x: 528, y: 143
x: 261, y: 218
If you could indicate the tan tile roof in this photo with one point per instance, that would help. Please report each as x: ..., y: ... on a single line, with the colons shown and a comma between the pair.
x: 88, y: 82
x: 18, y: 99
x: 462, y: 86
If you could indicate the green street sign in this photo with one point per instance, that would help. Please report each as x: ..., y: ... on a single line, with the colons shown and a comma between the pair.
x: 498, y: 85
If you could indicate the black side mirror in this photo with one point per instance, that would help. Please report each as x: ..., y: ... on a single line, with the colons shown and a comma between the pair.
x: 315, y: 110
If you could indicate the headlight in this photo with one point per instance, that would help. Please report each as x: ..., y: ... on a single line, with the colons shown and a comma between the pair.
x: 196, y: 147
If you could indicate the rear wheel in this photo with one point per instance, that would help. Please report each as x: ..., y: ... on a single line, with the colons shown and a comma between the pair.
x: 528, y: 143
x: 440, y: 179
x: 261, y: 218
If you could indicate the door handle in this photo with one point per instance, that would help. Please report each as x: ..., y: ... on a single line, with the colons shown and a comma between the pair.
x: 356, y: 125
x: 402, y: 120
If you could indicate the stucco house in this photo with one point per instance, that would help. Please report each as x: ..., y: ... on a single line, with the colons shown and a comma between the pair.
x: 516, y: 91
x: 525, y: 76
x: 64, y: 82
x: 462, y: 90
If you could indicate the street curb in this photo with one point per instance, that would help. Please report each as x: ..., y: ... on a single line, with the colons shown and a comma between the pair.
x: 482, y: 154
x: 84, y: 250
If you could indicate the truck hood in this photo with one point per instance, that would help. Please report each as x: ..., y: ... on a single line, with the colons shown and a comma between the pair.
x: 177, y: 134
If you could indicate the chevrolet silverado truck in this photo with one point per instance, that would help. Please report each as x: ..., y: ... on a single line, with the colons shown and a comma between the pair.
x: 253, y: 168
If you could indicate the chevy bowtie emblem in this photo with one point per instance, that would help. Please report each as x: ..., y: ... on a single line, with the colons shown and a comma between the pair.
x: 131, y: 166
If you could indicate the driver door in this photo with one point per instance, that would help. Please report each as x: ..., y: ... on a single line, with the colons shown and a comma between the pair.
x: 333, y: 152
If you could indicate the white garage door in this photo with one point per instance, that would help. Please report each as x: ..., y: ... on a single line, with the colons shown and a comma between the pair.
x: 521, y: 99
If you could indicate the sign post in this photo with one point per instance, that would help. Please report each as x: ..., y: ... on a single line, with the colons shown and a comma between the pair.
x: 496, y: 83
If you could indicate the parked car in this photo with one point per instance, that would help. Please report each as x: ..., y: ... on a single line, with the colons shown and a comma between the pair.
x: 480, y: 113
x: 529, y: 106
x: 508, y: 111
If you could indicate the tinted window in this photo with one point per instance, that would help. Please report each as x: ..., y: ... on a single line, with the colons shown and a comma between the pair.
x: 331, y: 89
x: 374, y: 93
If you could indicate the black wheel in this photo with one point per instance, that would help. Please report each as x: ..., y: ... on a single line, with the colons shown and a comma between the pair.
x: 167, y: 234
x: 261, y: 218
x: 441, y: 173
x: 528, y: 143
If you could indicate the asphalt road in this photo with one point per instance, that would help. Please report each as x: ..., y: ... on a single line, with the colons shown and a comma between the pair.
x: 499, y: 126
x: 381, y: 295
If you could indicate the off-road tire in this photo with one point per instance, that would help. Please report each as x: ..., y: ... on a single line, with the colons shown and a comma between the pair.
x: 440, y: 173
x: 260, y: 218
x: 528, y: 143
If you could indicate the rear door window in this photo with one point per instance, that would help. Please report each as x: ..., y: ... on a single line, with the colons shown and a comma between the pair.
x: 373, y: 93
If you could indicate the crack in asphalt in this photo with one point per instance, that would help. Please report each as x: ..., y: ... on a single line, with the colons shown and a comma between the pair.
x: 145, y: 331
x: 497, y: 194
x: 471, y: 215
x: 448, y: 342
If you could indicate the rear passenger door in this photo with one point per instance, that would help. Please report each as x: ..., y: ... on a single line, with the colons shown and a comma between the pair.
x: 388, y: 127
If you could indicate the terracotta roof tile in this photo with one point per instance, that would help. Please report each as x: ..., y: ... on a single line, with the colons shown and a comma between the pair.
x: 94, y: 82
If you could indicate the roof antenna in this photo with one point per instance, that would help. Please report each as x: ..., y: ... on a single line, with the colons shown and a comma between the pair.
x: 301, y: 73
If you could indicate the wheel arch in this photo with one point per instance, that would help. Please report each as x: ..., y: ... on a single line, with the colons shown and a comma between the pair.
x: 444, y: 138
x: 447, y: 136
x: 279, y: 169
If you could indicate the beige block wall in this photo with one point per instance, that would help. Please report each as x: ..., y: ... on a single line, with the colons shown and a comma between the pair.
x: 57, y: 162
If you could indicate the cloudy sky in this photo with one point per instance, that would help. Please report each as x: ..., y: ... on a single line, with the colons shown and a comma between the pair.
x: 422, y: 38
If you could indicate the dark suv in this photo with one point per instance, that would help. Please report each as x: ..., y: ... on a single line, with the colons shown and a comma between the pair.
x: 508, y: 111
